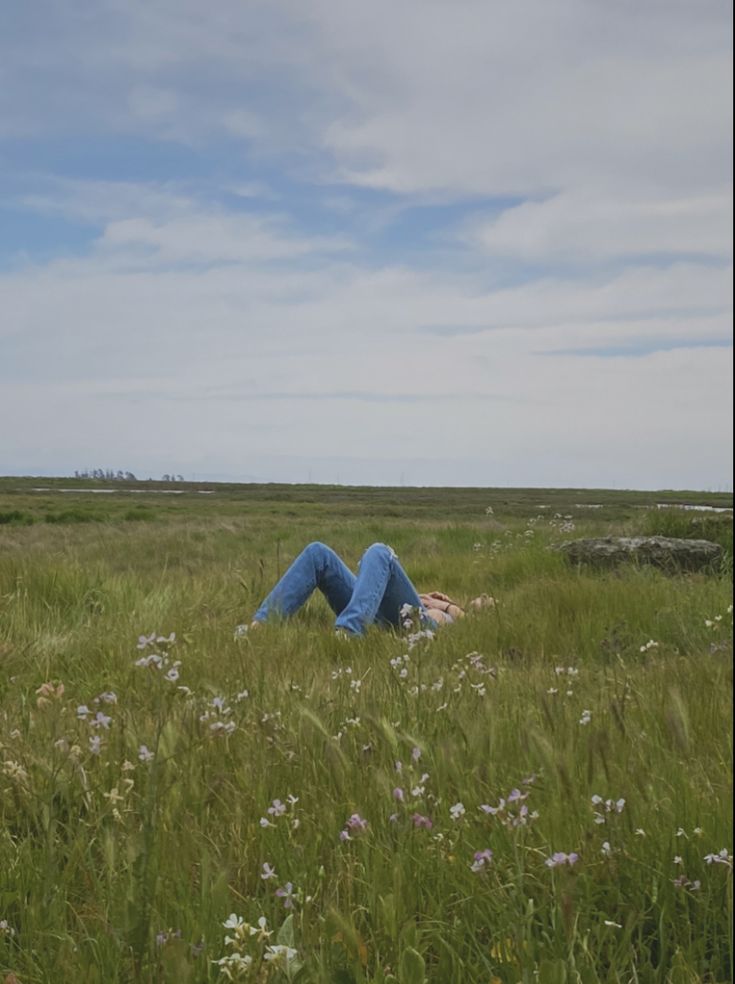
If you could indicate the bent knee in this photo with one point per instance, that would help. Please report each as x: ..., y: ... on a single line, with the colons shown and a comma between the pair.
x: 380, y: 549
x: 316, y: 549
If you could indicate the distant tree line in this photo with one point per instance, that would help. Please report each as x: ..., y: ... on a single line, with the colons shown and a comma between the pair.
x: 109, y: 475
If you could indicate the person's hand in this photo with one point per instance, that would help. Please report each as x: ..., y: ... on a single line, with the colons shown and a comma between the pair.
x: 438, y: 595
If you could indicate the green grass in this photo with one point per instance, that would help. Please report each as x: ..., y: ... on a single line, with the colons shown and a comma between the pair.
x: 114, y: 869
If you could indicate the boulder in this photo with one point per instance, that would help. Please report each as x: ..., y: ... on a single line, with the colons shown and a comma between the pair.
x: 667, y: 553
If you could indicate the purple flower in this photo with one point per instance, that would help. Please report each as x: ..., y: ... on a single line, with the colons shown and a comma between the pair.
x: 398, y: 794
x: 277, y: 808
x: 493, y: 810
x: 286, y: 893
x: 560, y: 857
x: 356, y: 823
x: 144, y: 640
x: 481, y: 858
x: 415, y: 753
x: 267, y: 872
x: 516, y: 794
x: 421, y: 821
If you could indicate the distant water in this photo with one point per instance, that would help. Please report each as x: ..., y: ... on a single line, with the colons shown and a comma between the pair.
x: 691, y: 508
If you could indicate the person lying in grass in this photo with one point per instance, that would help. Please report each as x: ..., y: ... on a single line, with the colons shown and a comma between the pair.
x: 379, y: 594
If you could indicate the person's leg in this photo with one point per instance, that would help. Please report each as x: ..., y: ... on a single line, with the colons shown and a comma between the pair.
x: 381, y: 589
x: 317, y: 566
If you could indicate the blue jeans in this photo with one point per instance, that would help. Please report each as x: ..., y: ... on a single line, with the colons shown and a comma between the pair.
x: 375, y: 595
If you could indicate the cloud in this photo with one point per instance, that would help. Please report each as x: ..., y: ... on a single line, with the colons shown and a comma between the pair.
x: 582, y: 226
x: 241, y: 355
x: 260, y: 272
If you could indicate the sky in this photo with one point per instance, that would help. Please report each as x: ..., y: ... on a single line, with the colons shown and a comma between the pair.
x: 404, y: 242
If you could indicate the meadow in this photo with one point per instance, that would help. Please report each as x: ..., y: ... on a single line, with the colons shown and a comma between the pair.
x: 540, y: 793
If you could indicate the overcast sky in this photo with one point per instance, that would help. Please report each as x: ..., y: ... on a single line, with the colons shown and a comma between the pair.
x: 449, y: 242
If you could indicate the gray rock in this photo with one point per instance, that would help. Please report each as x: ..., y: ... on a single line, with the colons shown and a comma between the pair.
x: 667, y: 553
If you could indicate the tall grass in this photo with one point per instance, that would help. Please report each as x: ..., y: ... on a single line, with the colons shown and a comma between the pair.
x: 120, y: 862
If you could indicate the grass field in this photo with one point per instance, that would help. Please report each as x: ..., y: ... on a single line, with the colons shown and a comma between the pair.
x: 541, y: 793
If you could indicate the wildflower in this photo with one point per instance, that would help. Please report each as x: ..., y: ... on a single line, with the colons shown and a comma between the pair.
x: 243, y: 695
x: 561, y: 858
x: 277, y: 808
x: 415, y: 753
x: 480, y: 859
x: 265, y: 822
x: 420, y: 821
x: 457, y: 811
x: 606, y: 850
x: 268, y: 872
x: 95, y: 744
x: 279, y: 954
x: 586, y: 717
x: 722, y: 857
x: 609, y: 922
x: 683, y: 882
x: 286, y: 893
x: 610, y: 806
x: 144, y: 640
x: 14, y: 770
x: 6, y: 929
x: 107, y: 697
x: 639, y: 832
x: 101, y: 720
x: 237, y: 964
x: 493, y: 810
x: 145, y: 754
x: 224, y: 727
x: 261, y: 932
x: 357, y: 823
x: 651, y: 644
x: 678, y: 859
x: 172, y: 675
x: 398, y: 794
x: 83, y: 712
x: 113, y: 796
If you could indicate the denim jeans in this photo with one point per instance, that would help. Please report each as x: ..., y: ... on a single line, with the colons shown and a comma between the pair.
x: 375, y: 595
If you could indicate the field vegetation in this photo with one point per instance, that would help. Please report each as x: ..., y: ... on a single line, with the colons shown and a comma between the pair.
x: 541, y: 793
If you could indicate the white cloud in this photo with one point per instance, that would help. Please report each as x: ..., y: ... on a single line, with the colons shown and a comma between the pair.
x: 237, y: 340
x: 584, y: 226
x: 235, y: 359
